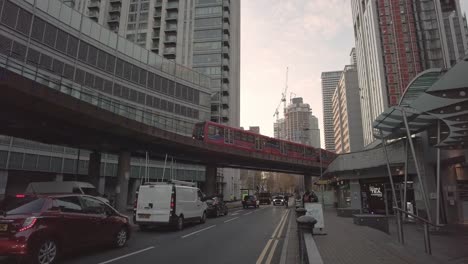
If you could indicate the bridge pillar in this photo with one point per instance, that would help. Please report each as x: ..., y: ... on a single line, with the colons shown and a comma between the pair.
x: 123, y: 177
x: 307, y: 182
x: 210, y: 179
x: 3, y: 183
x: 94, y: 169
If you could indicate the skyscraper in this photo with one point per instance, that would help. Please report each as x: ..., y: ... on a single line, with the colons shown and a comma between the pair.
x: 347, y: 112
x: 301, y: 125
x: 395, y: 41
x: 279, y: 128
x: 329, y: 82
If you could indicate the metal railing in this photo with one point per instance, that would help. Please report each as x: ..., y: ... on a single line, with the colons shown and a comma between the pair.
x: 426, y: 223
x: 94, y: 97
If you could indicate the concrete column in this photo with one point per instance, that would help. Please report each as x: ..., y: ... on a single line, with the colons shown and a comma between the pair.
x: 94, y: 166
x: 3, y: 183
x: 123, y: 176
x: 210, y: 180
x: 59, y: 177
x: 101, y: 186
x: 308, y: 182
x: 355, y: 190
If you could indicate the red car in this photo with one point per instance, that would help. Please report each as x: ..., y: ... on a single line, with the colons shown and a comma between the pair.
x: 42, y: 227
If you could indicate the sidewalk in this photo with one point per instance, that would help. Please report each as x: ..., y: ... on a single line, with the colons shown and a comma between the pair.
x: 449, y: 244
x: 347, y: 243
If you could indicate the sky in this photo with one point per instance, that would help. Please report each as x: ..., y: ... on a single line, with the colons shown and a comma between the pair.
x: 308, y: 36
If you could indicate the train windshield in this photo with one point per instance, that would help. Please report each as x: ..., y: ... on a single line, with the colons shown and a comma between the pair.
x: 198, y: 131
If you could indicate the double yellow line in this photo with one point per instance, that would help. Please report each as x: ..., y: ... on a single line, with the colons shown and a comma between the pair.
x: 274, y: 238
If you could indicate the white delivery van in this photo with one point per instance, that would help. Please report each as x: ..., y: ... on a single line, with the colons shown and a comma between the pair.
x: 171, y: 203
x: 64, y: 187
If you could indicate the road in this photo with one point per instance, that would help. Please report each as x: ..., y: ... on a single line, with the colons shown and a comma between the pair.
x: 244, y: 236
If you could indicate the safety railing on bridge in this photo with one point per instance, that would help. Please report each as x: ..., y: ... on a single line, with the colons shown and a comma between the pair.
x: 128, y: 110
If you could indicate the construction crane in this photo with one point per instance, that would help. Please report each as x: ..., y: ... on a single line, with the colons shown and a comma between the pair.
x: 283, y: 98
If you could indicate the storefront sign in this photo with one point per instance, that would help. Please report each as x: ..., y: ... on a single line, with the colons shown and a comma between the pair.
x: 375, y: 191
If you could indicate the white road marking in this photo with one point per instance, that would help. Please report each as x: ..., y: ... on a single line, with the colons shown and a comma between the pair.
x: 248, y: 213
x: 260, y: 259
x: 238, y: 211
x: 234, y: 214
x: 196, y: 232
x: 277, y: 227
x: 231, y: 219
x: 272, y: 252
x: 127, y: 255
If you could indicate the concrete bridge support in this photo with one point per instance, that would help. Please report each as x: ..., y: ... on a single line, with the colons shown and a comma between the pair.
x: 123, y: 177
x: 210, y: 179
x: 3, y: 183
x: 94, y: 171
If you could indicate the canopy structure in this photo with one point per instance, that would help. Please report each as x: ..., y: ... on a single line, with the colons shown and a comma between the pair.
x: 434, y: 95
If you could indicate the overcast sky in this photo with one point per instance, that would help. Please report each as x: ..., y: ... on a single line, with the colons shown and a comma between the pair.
x: 308, y: 36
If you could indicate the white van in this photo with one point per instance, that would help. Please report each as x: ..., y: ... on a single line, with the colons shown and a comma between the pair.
x: 169, y: 203
x: 64, y: 187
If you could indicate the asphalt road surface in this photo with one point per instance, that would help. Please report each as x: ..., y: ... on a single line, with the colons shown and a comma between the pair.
x: 244, y: 236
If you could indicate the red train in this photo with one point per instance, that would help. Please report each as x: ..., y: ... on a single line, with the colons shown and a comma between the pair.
x: 222, y: 135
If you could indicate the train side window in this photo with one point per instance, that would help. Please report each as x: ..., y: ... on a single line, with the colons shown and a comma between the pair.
x: 211, y: 131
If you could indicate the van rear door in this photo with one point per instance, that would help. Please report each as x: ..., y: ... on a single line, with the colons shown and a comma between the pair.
x: 154, y: 203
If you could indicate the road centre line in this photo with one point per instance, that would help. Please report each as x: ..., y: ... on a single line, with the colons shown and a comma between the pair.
x: 265, y: 250
x: 231, y: 219
x: 282, y: 226
x: 127, y: 255
x: 260, y: 258
x: 196, y: 232
x: 279, y: 224
x: 272, y: 252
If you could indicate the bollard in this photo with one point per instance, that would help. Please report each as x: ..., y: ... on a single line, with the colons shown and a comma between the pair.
x: 300, y: 212
x: 306, y: 223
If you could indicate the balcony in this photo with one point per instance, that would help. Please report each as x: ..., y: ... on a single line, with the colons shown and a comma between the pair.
x: 158, y: 4
x: 170, y: 40
x: 170, y: 56
x: 113, y: 19
x: 94, y: 5
x: 115, y: 1
x: 171, y: 28
x: 172, y: 16
x: 226, y: 39
x: 115, y: 9
x: 169, y: 51
x: 172, y: 5
x: 226, y: 52
x: 226, y: 64
x: 93, y: 14
x: 225, y: 77
x: 157, y: 14
x: 114, y: 28
x: 226, y: 28
x: 226, y: 16
x: 155, y: 35
x: 157, y: 24
x: 226, y: 5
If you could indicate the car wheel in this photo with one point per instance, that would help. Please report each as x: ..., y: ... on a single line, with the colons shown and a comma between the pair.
x: 46, y: 252
x: 121, y: 237
x: 180, y: 223
x: 203, y: 218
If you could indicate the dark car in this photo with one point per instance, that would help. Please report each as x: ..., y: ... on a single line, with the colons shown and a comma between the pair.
x: 41, y: 228
x: 250, y: 200
x: 216, y: 206
x: 264, y: 198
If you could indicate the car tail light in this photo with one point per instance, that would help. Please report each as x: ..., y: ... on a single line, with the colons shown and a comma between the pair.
x: 172, y: 202
x: 20, y: 196
x: 28, y: 223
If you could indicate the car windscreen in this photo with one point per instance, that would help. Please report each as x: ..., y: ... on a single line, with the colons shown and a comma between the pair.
x: 26, y: 205
x: 90, y: 191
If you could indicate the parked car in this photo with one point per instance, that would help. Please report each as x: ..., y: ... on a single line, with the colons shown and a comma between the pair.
x: 41, y: 228
x: 250, y: 200
x: 278, y: 200
x: 216, y: 206
x: 53, y: 187
x: 171, y: 203
x: 264, y: 198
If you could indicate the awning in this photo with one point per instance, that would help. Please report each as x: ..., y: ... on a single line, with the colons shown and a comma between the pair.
x: 432, y: 95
